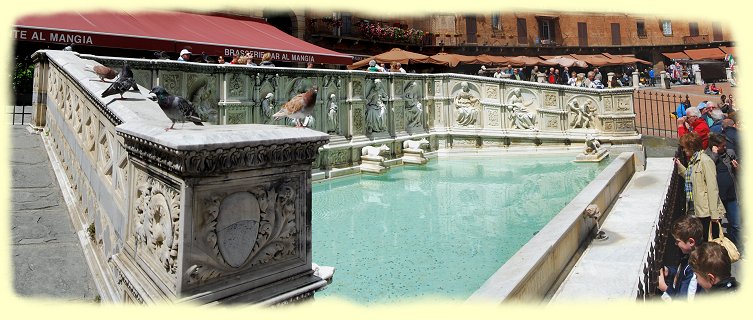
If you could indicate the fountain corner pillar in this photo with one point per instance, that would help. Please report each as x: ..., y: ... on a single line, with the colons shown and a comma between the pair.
x: 218, y: 214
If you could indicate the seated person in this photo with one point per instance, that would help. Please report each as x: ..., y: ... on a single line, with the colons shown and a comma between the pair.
x: 680, y: 111
x: 714, y: 89
x: 706, y: 89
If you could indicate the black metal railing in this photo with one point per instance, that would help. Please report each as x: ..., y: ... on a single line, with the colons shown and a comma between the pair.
x: 662, y: 251
x: 19, y: 116
x: 654, y: 113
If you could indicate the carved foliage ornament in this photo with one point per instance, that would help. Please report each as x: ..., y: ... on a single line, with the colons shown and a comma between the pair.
x: 204, y: 162
x: 157, y: 220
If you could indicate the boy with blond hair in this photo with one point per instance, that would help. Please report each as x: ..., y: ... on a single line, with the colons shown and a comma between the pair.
x: 713, y: 268
x: 680, y: 282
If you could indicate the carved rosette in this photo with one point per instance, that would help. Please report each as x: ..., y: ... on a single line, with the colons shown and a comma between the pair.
x: 358, y: 119
x: 338, y: 157
x: 550, y: 100
x: 623, y: 105
x: 357, y: 89
x: 171, y: 83
x: 156, y: 224
x: 246, y: 227
x: 236, y: 85
x: 491, y: 92
x: 493, y: 116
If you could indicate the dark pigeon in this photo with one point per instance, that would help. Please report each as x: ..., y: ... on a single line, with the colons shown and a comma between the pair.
x: 124, y: 83
x: 176, y: 108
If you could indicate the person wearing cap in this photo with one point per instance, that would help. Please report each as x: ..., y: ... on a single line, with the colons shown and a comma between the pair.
x: 185, y: 55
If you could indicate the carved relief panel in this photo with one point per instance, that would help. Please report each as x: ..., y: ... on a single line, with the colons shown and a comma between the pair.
x: 155, y: 231
x: 582, y: 112
x: 521, y: 108
x: 250, y: 224
x: 171, y: 81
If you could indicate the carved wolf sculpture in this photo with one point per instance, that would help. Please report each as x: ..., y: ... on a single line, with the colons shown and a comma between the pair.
x: 414, y: 144
x: 374, y: 151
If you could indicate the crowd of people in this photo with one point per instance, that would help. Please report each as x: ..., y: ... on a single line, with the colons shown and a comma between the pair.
x: 708, y: 160
x: 240, y: 59
x: 582, y: 77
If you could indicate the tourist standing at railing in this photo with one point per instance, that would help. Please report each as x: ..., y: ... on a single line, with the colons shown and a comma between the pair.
x: 534, y: 74
x: 572, y: 79
x: 679, y: 282
x: 597, y: 75
x: 372, y: 66
x: 693, y: 122
x: 713, y: 269
x: 266, y: 60
x: 516, y: 74
x: 701, y: 189
x: 185, y: 55
x: 651, y: 78
x: 565, y: 79
x: 726, y: 178
x: 729, y: 129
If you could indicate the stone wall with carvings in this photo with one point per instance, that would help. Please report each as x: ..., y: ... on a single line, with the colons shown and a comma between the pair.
x: 180, y: 213
x: 203, y: 215
x: 359, y: 108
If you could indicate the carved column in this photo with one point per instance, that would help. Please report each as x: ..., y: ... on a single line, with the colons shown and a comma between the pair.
x: 39, y: 91
x: 220, y: 215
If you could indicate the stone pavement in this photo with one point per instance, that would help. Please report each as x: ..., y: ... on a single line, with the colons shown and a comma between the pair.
x: 48, y: 261
x: 695, y: 92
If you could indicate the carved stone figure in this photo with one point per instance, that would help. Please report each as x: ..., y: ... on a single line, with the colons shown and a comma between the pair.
x: 520, y: 115
x: 268, y: 106
x: 201, y: 100
x: 376, y: 108
x: 374, y: 151
x: 592, y: 145
x: 582, y: 115
x: 466, y: 106
x: 413, y: 107
x: 332, y: 115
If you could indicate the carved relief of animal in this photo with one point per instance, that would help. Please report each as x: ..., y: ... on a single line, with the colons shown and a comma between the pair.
x: 415, y: 144
x: 374, y: 151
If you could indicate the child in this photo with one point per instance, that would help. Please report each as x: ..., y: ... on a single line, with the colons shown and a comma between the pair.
x: 680, y: 282
x: 713, y: 268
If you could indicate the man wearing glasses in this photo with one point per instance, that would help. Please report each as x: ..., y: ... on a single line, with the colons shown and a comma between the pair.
x: 693, y: 122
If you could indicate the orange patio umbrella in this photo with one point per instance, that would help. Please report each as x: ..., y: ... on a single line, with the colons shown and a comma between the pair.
x: 396, y: 55
x: 453, y: 59
x: 529, y: 61
x: 492, y: 60
x: 565, y: 61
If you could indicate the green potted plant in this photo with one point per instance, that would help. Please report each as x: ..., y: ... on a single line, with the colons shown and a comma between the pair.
x: 23, y: 80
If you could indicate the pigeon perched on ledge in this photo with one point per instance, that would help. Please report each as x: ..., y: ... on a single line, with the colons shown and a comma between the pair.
x: 299, y: 107
x: 102, y: 72
x: 124, y: 83
x: 176, y: 108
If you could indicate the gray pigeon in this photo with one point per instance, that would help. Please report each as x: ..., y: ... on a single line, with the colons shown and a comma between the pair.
x: 124, y: 83
x: 176, y: 108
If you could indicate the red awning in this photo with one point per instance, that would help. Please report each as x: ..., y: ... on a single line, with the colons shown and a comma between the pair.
x: 171, y: 32
x: 676, y: 55
x: 728, y: 50
x: 707, y: 53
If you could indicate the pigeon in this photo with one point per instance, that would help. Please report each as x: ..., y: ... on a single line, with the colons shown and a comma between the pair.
x: 68, y: 47
x: 161, y: 55
x: 176, y: 108
x: 124, y: 83
x: 103, y: 72
x: 299, y: 107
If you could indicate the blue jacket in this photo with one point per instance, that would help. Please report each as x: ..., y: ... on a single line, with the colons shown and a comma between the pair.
x: 685, y: 287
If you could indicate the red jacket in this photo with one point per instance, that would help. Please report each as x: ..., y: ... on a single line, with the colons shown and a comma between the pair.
x: 700, y: 127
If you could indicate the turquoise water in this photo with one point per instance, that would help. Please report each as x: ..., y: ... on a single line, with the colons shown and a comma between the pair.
x: 437, y: 230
